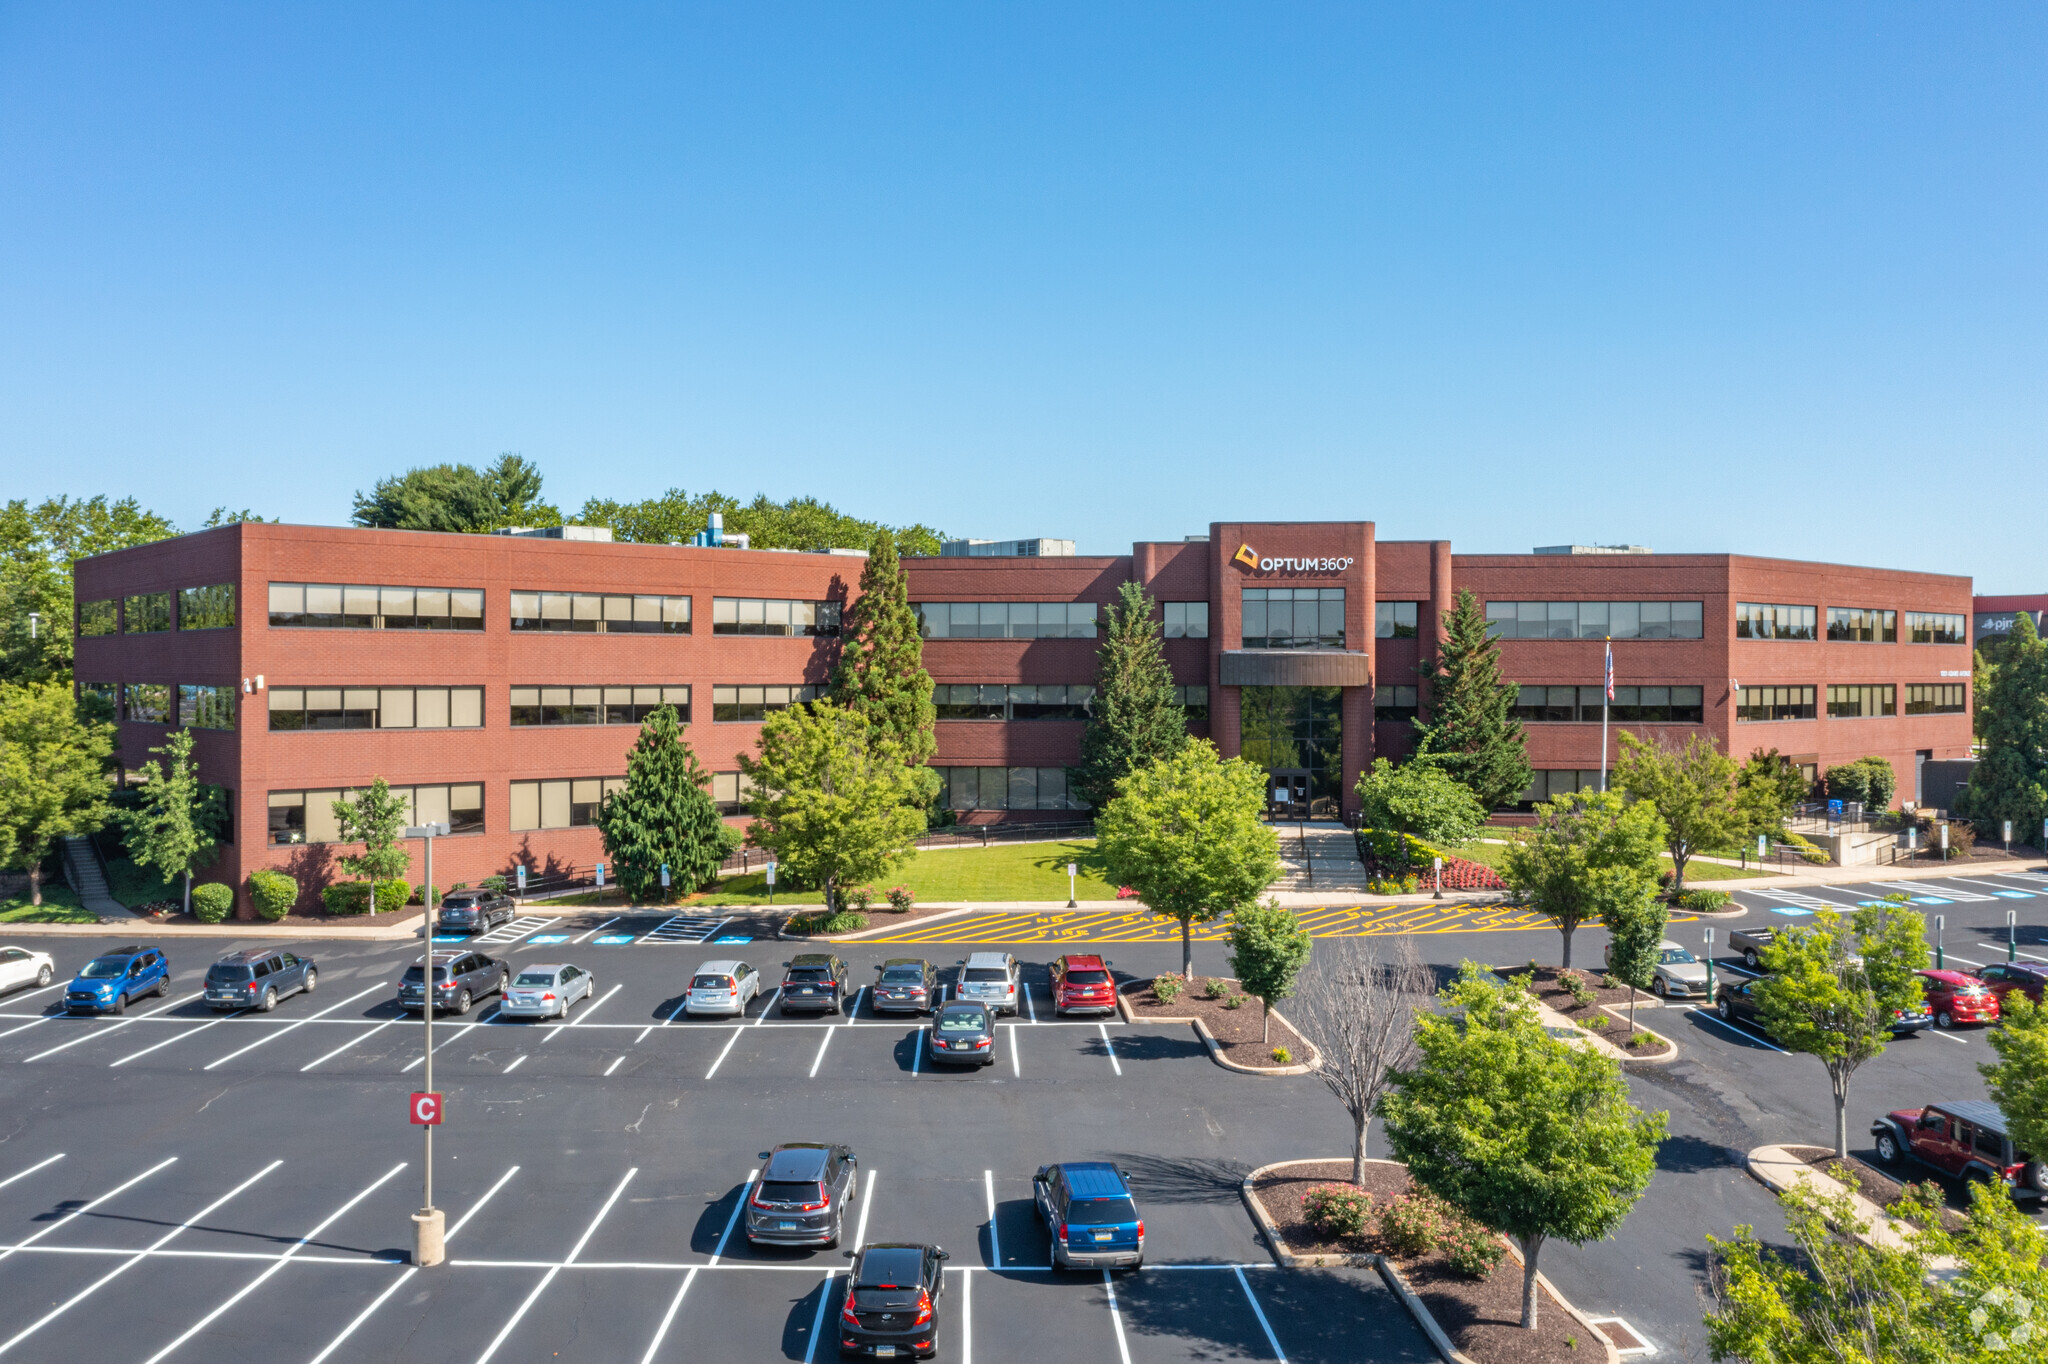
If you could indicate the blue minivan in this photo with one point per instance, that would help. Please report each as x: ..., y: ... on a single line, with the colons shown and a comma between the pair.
x: 1089, y: 1211
x: 113, y: 978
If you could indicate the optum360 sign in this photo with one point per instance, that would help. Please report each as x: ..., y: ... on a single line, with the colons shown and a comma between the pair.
x: 1249, y: 557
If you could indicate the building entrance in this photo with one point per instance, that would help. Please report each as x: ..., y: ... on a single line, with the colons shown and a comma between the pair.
x: 1287, y: 794
x: 1297, y: 735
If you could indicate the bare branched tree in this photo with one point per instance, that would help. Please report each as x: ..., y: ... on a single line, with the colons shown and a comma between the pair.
x: 1359, y: 1010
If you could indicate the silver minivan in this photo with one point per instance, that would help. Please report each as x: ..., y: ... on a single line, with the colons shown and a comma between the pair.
x: 989, y: 978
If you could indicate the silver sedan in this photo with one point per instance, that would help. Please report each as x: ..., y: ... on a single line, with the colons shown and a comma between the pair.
x: 546, y: 990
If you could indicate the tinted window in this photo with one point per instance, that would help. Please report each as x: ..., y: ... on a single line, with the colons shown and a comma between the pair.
x: 967, y: 1020
x: 890, y: 1269
x: 535, y: 978
x: 809, y: 973
x: 104, y: 968
x: 1674, y: 955
x: 1088, y: 977
x: 989, y: 974
x: 1101, y: 1212
x: 227, y: 971
x: 264, y: 968
x: 903, y: 975
x: 790, y: 1191
x: 414, y: 975
x: 711, y: 983
x: 1989, y: 1144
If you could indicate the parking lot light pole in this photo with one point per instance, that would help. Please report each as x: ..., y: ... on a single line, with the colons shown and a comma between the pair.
x: 2012, y: 935
x: 1940, y: 958
x: 429, y: 1224
x: 1071, y: 902
x: 1710, y: 964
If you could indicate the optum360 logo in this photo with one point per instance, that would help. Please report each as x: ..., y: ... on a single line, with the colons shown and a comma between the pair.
x: 1249, y: 557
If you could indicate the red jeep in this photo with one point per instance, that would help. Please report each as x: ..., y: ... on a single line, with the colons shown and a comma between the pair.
x: 1965, y: 1138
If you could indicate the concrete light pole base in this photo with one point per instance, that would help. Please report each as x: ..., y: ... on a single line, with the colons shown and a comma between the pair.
x: 429, y: 1230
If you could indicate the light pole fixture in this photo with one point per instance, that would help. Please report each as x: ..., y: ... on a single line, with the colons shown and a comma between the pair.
x: 429, y: 1224
x: 33, y: 617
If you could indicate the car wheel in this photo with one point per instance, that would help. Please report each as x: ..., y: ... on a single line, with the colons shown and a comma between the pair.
x: 1887, y: 1148
x: 1750, y: 957
x: 120, y: 1005
x: 44, y: 976
x: 163, y: 987
x: 2037, y: 1176
x: 1943, y: 1020
x: 462, y: 1002
x: 269, y: 1000
x: 1727, y: 1013
x: 312, y: 979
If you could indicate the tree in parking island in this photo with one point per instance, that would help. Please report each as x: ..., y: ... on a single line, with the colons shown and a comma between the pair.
x: 2019, y: 1078
x: 1188, y: 834
x: 663, y: 816
x: 1836, y: 989
x: 53, y: 775
x: 833, y: 799
x: 1635, y: 920
x: 1133, y: 720
x: 1582, y: 843
x: 172, y: 828
x: 1526, y: 1135
x: 1268, y: 948
x: 375, y: 818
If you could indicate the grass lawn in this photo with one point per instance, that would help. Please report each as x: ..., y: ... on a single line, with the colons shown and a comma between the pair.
x: 1495, y: 855
x: 60, y: 906
x: 1016, y: 871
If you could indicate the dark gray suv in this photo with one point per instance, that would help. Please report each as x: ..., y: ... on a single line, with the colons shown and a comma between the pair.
x: 258, y: 978
x: 802, y: 1195
x: 475, y: 911
x: 460, y: 979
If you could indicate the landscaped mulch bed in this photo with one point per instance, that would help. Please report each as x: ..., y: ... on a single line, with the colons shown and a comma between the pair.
x: 1875, y: 1185
x: 1542, y: 982
x: 1238, y: 1032
x: 881, y: 916
x: 1481, y: 1316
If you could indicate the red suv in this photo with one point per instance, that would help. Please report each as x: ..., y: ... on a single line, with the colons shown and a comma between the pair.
x: 1081, y: 984
x: 1966, y: 1138
x: 1958, y: 997
x: 2002, y: 978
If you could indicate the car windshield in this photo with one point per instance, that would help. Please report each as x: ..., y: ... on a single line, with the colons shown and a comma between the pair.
x: 1087, y: 977
x: 986, y: 975
x: 1673, y: 956
x: 1101, y: 1212
x: 890, y: 1268
x: 963, y: 1020
x: 809, y: 973
x: 535, y: 978
x: 227, y: 970
x: 711, y: 983
x: 790, y: 1191
x: 104, y: 968
x: 903, y: 975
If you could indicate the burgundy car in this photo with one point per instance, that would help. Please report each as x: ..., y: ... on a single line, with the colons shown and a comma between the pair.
x: 1965, y: 1138
x: 1958, y: 997
x: 2007, y: 977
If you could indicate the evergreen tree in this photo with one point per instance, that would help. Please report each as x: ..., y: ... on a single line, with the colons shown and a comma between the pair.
x: 880, y: 673
x: 663, y: 816
x: 1134, y: 720
x: 2012, y: 780
x: 1469, y: 729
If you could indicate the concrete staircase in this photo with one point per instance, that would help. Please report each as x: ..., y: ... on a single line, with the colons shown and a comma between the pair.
x: 1319, y: 858
x: 88, y: 877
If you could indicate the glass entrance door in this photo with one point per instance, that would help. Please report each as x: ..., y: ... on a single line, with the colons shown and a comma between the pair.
x: 1287, y: 793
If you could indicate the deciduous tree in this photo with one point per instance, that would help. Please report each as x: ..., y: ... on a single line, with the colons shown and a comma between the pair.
x: 1359, y: 1009
x: 1692, y: 788
x: 1186, y: 832
x: 1469, y: 725
x: 172, y: 827
x: 1519, y: 1131
x: 663, y: 816
x: 1268, y: 948
x: 1635, y: 920
x: 459, y: 497
x: 53, y: 775
x: 38, y: 546
x: 2019, y: 1077
x: 1581, y: 842
x: 799, y: 523
x: 1420, y: 798
x: 832, y: 798
x: 1767, y: 787
x: 1134, y: 720
x: 374, y: 817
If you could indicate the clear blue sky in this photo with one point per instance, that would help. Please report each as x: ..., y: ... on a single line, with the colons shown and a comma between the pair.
x: 1765, y: 278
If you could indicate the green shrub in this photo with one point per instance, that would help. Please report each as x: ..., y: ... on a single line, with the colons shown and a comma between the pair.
x: 419, y: 896
x: 1234, y: 1002
x: 1413, y: 1224
x: 1598, y: 1022
x: 273, y: 893
x: 1338, y: 1212
x: 212, y: 901
x: 1472, y: 1250
x: 1575, y: 985
x: 496, y: 884
x: 818, y: 921
x: 1215, y: 989
x: 1700, y: 901
x: 1395, y: 885
x: 392, y: 895
x: 1391, y: 849
x: 1282, y: 1055
x: 346, y: 897
x: 1641, y: 1039
x: 1167, y: 988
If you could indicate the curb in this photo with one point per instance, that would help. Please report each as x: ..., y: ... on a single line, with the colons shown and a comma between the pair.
x: 782, y: 933
x: 1282, y: 1255
x: 1620, y: 1011
x: 1873, y: 1217
x: 409, y: 927
x: 1307, y: 1067
x: 1543, y: 1282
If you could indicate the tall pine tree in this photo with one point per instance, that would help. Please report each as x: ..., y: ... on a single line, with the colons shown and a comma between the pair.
x: 2011, y: 782
x: 1469, y: 729
x: 663, y: 815
x: 1134, y: 720
x: 880, y: 674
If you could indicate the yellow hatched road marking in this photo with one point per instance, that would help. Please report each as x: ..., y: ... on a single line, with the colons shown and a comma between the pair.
x: 1121, y: 925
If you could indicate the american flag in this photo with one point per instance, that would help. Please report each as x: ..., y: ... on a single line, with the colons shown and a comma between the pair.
x: 1610, y: 671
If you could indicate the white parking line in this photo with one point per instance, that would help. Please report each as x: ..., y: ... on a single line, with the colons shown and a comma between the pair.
x: 588, y: 1009
x: 130, y: 1263
x: 819, y: 1059
x: 338, y: 1004
x: 82, y: 1211
x: 599, y: 929
x: 966, y: 1317
x: 102, y: 1032
x: 723, y: 1050
x: 1745, y: 1036
x: 734, y: 1220
x: 668, y: 1318
x: 867, y: 1200
x: 175, y: 1037
x: 1914, y: 888
x: 1016, y: 1061
x: 995, y: 1245
x: 46, y: 1160
x: 279, y: 1263
x: 1950, y: 956
x: 1030, y: 1004
x: 768, y: 1006
x: 1970, y: 880
x: 26, y: 1026
x: 515, y: 1064
x: 459, y: 1030
x: 1936, y: 1032
x: 350, y: 1043
x: 1994, y: 946
x: 818, y: 1321
x: 1116, y: 1318
x: 617, y: 1061
x: 1106, y: 1046
x: 506, y: 1330
x: 1260, y: 1313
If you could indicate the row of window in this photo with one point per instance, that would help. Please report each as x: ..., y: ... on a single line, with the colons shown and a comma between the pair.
x: 1851, y: 701
x: 308, y: 816
x: 1596, y: 619
x: 1185, y: 619
x: 187, y: 705
x: 1847, y: 624
x: 1012, y: 701
x: 569, y: 804
x: 1293, y: 618
x: 355, y: 606
x: 211, y: 607
x: 1014, y: 619
x: 755, y: 703
x: 595, y: 705
x: 1632, y: 705
x: 1394, y: 703
x: 377, y: 708
x: 1007, y: 788
x: 598, y: 613
x: 764, y: 616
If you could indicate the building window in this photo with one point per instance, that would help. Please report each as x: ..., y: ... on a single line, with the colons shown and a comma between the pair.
x: 593, y: 613
x: 595, y: 705
x: 568, y: 804
x: 1012, y: 701
x: 1186, y: 619
x: 754, y: 703
x: 146, y: 703
x: 1193, y: 700
x: 98, y: 618
x: 1395, y: 703
x: 343, y: 606
x: 1765, y: 620
x: 207, y: 608
x: 731, y: 792
x: 148, y: 613
x: 1595, y: 619
x: 1553, y: 784
x: 1937, y: 698
x: 1293, y: 618
x: 1633, y: 705
x: 1007, y: 788
x: 376, y: 708
x: 1856, y: 703
x: 1860, y: 625
x: 1930, y: 627
x: 1775, y: 703
x: 205, y: 707
x: 308, y: 816
x: 1013, y: 619
x: 1297, y: 731
x: 756, y: 616
x: 99, y: 702
x: 1394, y: 619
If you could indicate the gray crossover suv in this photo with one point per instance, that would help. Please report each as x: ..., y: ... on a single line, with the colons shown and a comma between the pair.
x: 802, y: 1195
x: 258, y: 978
x: 460, y: 978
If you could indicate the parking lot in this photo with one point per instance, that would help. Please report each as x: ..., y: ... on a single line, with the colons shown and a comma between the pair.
x: 176, y: 1183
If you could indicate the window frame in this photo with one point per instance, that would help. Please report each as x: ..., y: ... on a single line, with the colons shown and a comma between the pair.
x: 729, y: 709
x: 536, y: 701
x: 1930, y: 623
x: 1637, y: 620
x: 464, y: 621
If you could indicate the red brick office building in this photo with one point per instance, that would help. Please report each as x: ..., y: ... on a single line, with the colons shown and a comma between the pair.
x: 499, y: 679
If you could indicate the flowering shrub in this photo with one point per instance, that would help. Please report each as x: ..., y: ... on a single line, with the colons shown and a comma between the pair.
x: 858, y: 899
x: 1126, y: 893
x: 1215, y: 989
x: 1338, y: 1212
x: 900, y: 898
x: 1395, y: 885
x: 1413, y: 1224
x: 1282, y: 1055
x: 1472, y: 1250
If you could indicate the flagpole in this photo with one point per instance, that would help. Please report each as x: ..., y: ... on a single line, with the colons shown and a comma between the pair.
x: 1606, y: 698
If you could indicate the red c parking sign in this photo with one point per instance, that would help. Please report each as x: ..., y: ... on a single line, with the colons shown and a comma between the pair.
x: 425, y: 1110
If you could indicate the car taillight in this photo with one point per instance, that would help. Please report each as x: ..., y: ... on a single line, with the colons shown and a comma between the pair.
x: 548, y: 998
x: 924, y: 1309
x: 1060, y: 1233
x: 984, y: 1042
x: 1141, y: 1229
x: 846, y: 1315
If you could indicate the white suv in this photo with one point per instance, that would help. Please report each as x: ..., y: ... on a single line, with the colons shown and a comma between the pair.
x: 989, y: 978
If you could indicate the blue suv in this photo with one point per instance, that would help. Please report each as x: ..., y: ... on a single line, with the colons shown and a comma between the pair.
x: 113, y: 978
x: 1088, y: 1208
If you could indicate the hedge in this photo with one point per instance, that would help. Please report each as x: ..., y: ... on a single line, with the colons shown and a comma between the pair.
x: 353, y: 897
x: 212, y: 901
x: 273, y: 893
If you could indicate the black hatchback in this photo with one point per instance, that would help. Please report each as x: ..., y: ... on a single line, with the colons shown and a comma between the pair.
x: 892, y: 1301
x: 814, y: 982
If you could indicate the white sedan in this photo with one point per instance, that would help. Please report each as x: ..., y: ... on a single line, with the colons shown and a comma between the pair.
x: 722, y: 987
x: 19, y: 966
x: 546, y: 990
